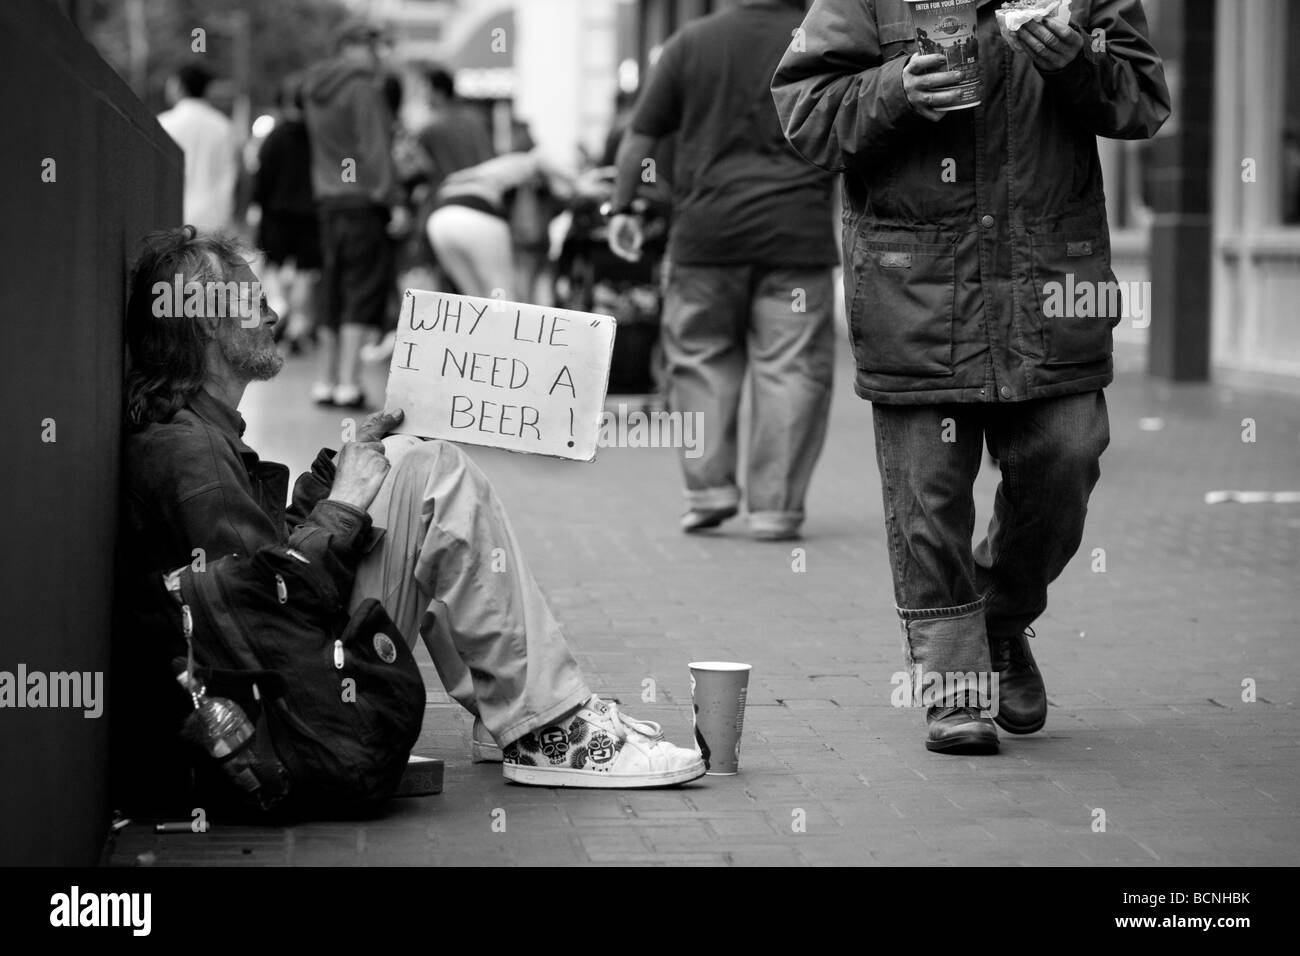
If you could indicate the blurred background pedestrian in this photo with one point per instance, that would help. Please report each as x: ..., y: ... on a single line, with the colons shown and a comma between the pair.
x: 207, y: 138
x: 469, y: 227
x: 750, y: 254
x: 285, y: 215
x: 456, y: 136
x: 361, y: 206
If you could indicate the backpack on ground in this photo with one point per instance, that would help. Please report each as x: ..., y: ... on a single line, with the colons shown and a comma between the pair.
x: 336, y: 701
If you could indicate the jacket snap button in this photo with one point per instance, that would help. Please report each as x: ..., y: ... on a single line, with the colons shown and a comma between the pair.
x: 1004, y: 391
x: 986, y: 222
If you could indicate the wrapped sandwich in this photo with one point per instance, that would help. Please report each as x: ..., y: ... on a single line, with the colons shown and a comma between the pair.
x: 1014, y: 14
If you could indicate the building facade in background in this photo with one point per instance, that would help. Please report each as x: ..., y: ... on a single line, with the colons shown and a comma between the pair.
x: 1256, y: 188
x: 550, y: 66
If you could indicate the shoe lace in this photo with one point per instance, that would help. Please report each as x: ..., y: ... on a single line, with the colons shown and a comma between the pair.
x: 942, y: 713
x: 622, y: 723
x: 1019, y: 651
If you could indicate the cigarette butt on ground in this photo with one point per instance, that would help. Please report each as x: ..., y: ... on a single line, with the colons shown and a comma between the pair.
x: 179, y: 826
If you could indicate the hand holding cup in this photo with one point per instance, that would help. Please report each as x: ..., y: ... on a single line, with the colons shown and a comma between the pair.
x: 930, y: 88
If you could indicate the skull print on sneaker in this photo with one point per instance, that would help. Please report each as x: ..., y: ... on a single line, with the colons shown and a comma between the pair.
x: 600, y: 747
x: 555, y: 744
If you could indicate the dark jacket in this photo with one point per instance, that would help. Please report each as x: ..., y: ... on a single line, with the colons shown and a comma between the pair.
x: 191, y: 483
x: 456, y: 139
x: 740, y: 194
x: 945, y: 280
x: 282, y: 183
x: 347, y: 119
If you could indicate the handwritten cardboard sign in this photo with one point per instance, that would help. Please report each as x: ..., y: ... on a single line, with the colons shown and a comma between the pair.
x: 504, y: 374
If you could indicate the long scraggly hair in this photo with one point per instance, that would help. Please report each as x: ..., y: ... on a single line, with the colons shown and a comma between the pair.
x: 166, y: 355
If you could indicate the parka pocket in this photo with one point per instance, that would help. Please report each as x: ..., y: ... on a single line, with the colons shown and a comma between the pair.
x: 901, y: 318
x: 1077, y: 295
x: 896, y: 39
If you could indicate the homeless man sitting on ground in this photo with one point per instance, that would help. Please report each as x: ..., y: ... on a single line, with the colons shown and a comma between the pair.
x: 191, y: 482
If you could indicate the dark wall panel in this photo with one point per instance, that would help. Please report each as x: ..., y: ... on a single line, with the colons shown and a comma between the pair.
x: 64, y: 246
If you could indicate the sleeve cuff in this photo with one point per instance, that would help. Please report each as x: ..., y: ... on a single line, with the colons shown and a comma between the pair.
x: 1077, y: 72
x: 349, y: 524
x: 323, y: 465
x: 898, y: 111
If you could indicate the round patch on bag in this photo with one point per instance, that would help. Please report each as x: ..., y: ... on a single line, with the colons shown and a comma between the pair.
x: 385, y: 648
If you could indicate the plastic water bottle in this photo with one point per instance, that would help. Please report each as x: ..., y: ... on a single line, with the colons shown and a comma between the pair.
x: 226, y: 728
x: 223, y: 727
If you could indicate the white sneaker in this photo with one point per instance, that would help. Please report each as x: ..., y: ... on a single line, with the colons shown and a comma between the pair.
x: 482, y: 748
x: 348, y: 396
x: 600, y: 747
x: 322, y: 393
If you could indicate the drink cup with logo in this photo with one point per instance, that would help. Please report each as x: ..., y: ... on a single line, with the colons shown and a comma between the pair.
x: 947, y: 27
x: 718, y: 689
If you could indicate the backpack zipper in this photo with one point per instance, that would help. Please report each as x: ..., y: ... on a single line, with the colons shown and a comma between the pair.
x: 281, y: 589
x: 338, y: 655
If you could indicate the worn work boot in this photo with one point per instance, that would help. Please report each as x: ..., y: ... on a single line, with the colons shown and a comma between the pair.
x: 941, y: 649
x: 1022, y: 698
x: 959, y: 730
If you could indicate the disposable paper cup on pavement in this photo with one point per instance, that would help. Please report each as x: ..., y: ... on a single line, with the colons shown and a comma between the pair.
x: 718, y: 689
x: 948, y: 27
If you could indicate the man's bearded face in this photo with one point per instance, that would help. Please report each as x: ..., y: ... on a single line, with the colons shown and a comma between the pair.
x: 251, y: 352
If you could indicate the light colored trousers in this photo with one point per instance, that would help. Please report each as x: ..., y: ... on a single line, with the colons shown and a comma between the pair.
x: 449, y: 570
x: 474, y: 247
x: 722, y: 323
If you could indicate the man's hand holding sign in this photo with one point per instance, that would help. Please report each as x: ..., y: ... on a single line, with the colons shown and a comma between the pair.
x: 505, y: 374
x: 362, y: 466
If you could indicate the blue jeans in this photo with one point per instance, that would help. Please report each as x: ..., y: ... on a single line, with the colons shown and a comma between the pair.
x: 721, y: 322
x: 954, y: 599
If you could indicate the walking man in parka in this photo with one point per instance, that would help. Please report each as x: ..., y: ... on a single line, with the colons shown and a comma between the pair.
x: 962, y: 228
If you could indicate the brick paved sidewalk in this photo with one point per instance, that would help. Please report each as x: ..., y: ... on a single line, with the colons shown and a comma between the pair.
x: 1144, y: 663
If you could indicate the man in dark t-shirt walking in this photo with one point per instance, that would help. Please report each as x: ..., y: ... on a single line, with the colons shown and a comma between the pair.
x: 750, y: 254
